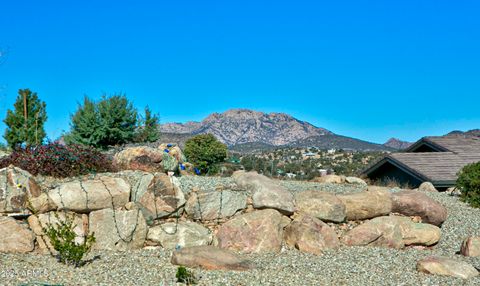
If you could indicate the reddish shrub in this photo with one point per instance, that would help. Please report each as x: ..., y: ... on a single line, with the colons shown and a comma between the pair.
x: 58, y: 160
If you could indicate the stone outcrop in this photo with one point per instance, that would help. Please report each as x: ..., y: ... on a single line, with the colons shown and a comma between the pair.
x: 446, y: 267
x: 118, y: 229
x: 210, y: 258
x: 186, y: 234
x: 16, y: 188
x: 322, y: 205
x: 309, y: 234
x: 366, y: 205
x: 415, y: 203
x: 206, y: 206
x: 267, y: 194
x: 15, y: 237
x: 256, y: 232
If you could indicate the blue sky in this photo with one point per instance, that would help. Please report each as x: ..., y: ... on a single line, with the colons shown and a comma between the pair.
x: 366, y: 69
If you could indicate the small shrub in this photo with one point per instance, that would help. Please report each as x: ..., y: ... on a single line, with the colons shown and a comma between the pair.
x: 58, y: 160
x: 205, y: 152
x: 62, y: 237
x: 185, y: 276
x: 469, y: 183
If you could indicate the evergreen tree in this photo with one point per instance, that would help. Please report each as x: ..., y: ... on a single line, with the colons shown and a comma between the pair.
x: 26, y: 127
x: 204, y: 151
x: 148, y: 131
x: 110, y: 121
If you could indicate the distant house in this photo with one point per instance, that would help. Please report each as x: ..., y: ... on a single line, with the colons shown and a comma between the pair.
x: 433, y: 159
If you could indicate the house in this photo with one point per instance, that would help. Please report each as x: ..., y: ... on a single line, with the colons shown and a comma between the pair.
x: 434, y: 159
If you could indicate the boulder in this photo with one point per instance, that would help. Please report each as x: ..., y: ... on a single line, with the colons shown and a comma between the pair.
x: 17, y: 186
x: 380, y: 231
x: 355, y: 181
x: 418, y: 233
x: 309, y: 234
x: 267, y: 194
x: 446, y: 267
x: 213, y: 205
x: 85, y: 196
x: 330, y: 179
x: 415, y: 203
x: 174, y: 151
x: 365, y: 205
x: 117, y: 229
x: 322, y: 205
x: 184, y: 234
x: 158, y: 197
x: 427, y: 187
x: 257, y: 232
x: 210, y: 258
x: 471, y: 246
x: 15, y: 237
x: 142, y: 158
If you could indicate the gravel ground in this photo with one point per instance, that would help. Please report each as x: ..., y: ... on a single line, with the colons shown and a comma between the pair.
x: 345, y: 266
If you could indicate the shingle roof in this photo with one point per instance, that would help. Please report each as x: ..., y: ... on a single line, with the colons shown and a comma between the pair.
x: 440, y: 168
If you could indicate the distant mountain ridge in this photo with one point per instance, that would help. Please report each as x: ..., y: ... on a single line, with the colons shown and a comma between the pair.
x: 473, y: 133
x: 247, y: 130
x: 397, y: 144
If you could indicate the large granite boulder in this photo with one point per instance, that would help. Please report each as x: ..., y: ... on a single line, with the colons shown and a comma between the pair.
x: 210, y: 258
x: 142, y: 158
x: 17, y: 186
x: 15, y: 237
x: 322, y: 205
x: 471, y: 246
x: 158, y: 196
x: 257, y: 232
x: 206, y: 206
x: 446, y: 267
x: 330, y: 179
x: 415, y: 203
x: 84, y: 196
x: 267, y: 194
x: 309, y: 234
x: 171, y: 235
x: 427, y: 187
x: 118, y: 229
x: 366, y: 205
x: 356, y: 181
x: 393, y: 232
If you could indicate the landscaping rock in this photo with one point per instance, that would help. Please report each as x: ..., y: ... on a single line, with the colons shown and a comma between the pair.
x: 213, y: 205
x: 15, y: 237
x: 330, y: 179
x: 161, y: 198
x: 381, y: 231
x: 142, y: 158
x: 418, y: 233
x: 446, y: 267
x: 365, y: 205
x: 90, y: 195
x: 322, y: 205
x: 309, y: 234
x: 16, y: 188
x: 259, y: 231
x: 415, y: 203
x: 267, y: 194
x: 471, y: 246
x: 117, y: 229
x: 427, y: 187
x: 355, y: 181
x: 186, y: 234
x: 209, y: 258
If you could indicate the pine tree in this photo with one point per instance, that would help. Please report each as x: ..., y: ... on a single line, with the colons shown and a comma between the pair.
x: 85, y: 125
x: 148, y: 131
x: 26, y: 127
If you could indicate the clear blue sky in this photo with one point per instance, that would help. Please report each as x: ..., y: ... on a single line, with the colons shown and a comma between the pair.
x: 366, y: 69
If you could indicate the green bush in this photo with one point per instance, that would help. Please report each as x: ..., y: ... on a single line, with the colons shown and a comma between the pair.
x: 148, y: 129
x: 62, y: 237
x: 469, y: 183
x: 204, y: 152
x: 29, y: 130
x: 110, y: 121
x: 185, y: 276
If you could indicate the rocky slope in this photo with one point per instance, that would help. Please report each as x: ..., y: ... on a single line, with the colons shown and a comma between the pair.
x: 397, y: 144
x: 243, y: 127
x: 473, y: 132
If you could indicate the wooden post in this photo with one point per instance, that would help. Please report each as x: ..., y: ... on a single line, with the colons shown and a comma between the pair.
x: 25, y: 115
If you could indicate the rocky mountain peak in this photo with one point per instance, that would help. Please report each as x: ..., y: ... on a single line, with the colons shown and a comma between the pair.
x: 398, y: 144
